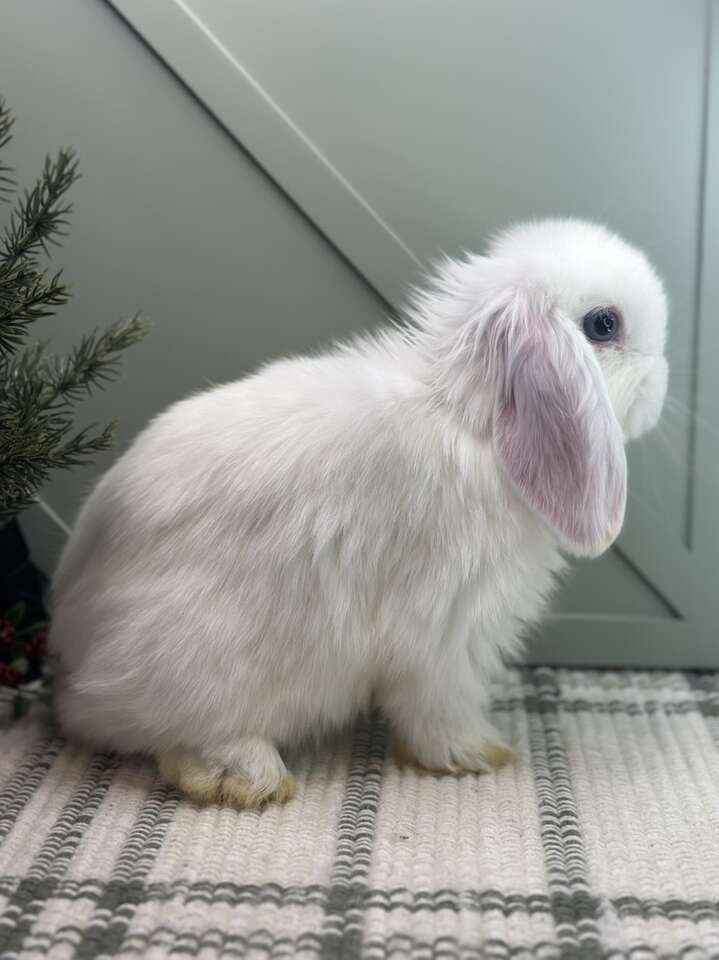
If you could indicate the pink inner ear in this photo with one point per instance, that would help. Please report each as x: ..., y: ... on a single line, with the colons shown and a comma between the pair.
x: 559, y: 440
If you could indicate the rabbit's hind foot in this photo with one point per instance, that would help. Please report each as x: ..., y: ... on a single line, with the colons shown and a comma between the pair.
x: 247, y: 776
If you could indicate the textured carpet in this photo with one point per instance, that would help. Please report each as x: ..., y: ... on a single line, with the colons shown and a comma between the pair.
x: 602, y: 840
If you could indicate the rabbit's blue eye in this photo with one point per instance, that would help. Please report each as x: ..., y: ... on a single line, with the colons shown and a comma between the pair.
x: 601, y: 324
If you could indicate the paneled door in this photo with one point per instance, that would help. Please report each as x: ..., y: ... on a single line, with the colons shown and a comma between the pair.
x: 407, y: 129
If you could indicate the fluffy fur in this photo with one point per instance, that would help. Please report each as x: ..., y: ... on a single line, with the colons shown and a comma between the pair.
x: 379, y: 521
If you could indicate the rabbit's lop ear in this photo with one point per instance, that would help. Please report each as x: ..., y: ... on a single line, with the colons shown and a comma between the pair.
x: 556, y: 432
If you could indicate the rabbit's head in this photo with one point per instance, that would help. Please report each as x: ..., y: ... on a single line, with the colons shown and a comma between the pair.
x: 552, y: 347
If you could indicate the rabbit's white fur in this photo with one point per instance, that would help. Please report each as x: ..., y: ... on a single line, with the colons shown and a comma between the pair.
x: 273, y: 553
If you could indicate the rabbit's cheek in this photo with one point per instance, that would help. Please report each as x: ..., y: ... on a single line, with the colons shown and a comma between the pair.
x: 647, y: 407
x: 621, y: 380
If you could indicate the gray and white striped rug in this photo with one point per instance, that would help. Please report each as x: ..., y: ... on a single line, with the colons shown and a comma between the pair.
x: 602, y: 840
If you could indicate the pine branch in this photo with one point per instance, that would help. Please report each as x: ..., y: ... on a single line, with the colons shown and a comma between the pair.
x: 33, y: 383
x: 33, y: 441
x: 31, y: 297
x: 36, y: 396
x: 79, y: 447
x: 7, y: 184
x: 37, y: 390
x: 23, y: 474
x: 40, y: 216
x: 29, y: 472
x: 95, y: 361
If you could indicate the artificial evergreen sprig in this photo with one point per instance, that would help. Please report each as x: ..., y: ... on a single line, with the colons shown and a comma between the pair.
x: 36, y: 398
x: 24, y: 298
x: 40, y: 215
x: 37, y: 389
x: 7, y: 183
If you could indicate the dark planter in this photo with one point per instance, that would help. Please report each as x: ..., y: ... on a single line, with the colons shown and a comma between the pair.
x: 23, y: 591
x: 20, y: 579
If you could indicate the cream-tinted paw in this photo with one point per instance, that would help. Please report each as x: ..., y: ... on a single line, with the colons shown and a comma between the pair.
x: 496, y: 755
x: 484, y: 757
x: 194, y: 778
x: 214, y: 784
x: 488, y: 756
x: 236, y: 791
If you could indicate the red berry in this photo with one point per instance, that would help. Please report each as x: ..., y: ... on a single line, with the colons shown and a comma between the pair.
x: 36, y: 646
x: 7, y: 633
x: 8, y: 676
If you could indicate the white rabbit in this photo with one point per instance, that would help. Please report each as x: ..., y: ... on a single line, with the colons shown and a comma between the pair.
x: 378, y: 521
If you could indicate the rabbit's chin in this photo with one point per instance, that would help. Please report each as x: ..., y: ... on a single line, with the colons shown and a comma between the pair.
x: 644, y: 413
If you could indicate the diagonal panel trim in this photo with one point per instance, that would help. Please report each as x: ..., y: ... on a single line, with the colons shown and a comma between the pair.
x: 227, y: 89
x: 706, y: 478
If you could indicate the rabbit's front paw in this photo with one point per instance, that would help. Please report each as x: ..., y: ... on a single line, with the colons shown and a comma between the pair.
x: 489, y: 756
x: 483, y: 757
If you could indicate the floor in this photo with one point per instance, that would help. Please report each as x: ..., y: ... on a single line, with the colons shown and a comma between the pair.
x: 601, y: 840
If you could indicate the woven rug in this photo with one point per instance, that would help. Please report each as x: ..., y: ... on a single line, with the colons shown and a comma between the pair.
x: 602, y: 840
